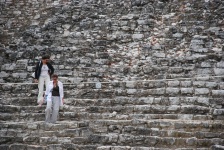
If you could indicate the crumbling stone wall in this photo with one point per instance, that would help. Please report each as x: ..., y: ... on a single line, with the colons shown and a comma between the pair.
x: 107, y: 40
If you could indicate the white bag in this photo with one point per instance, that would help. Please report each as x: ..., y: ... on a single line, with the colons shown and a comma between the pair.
x: 33, y: 74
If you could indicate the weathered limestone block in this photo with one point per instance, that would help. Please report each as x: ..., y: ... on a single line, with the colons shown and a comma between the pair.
x: 21, y: 64
x: 211, y: 85
x: 131, y: 91
x: 191, y: 141
x: 151, y: 141
x: 18, y: 146
x: 217, y: 92
x: 49, y: 140
x: 31, y: 139
x: 173, y: 109
x: 19, y: 75
x: 98, y: 139
x: 201, y: 91
x: 187, y: 90
x: 173, y: 83
x: 218, y: 112
x: 218, y: 71
x: 137, y: 37
x: 146, y: 100
x: 174, y: 101
x: 3, y: 74
x: 199, y: 84
x: 158, y: 91
x: 8, y: 67
x: 203, y: 101
x: 35, y: 147
x: 186, y: 83
x: 172, y: 91
x: 188, y: 109
x: 7, y: 87
x: 217, y: 147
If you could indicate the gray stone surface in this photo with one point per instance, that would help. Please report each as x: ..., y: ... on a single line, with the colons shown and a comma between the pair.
x: 160, y: 66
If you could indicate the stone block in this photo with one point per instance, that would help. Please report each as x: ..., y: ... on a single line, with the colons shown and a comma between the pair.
x: 168, y: 141
x: 175, y: 83
x: 104, y: 148
x: 151, y: 141
x: 130, y: 84
x: 172, y: 91
x: 186, y: 83
x: 191, y: 141
x: 218, y: 93
x: 63, y: 140
x: 186, y: 116
x: 94, y: 138
x: 174, y: 100
x: 158, y: 91
x: 8, y: 67
x: 217, y: 147
x: 36, y: 147
x: 203, y: 101
x: 17, y: 146
x: 191, y: 109
x: 137, y: 37
x: 173, y: 109
x: 187, y: 91
x: 218, y: 71
x: 199, y: 84
x: 218, y: 112
x: 211, y: 85
x: 54, y: 147
x: 131, y: 91
x: 201, y: 91
x: 31, y: 139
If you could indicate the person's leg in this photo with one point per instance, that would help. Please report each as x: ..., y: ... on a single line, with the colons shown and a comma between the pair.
x: 48, y: 112
x: 46, y: 82
x: 41, y: 89
x: 55, y: 110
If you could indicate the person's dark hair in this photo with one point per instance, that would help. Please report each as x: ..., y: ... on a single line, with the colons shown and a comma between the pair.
x: 54, y: 76
x: 45, y: 57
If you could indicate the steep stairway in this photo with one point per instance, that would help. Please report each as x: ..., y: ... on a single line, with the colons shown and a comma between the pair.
x: 155, y: 115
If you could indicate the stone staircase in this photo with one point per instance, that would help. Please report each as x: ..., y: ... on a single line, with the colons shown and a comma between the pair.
x: 147, y: 101
x: 138, y: 115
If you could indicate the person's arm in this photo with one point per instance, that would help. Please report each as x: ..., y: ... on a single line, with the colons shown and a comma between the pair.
x: 51, y: 69
x: 36, y: 71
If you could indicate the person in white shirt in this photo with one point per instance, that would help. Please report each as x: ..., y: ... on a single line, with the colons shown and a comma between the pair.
x: 55, y: 98
x: 43, y: 73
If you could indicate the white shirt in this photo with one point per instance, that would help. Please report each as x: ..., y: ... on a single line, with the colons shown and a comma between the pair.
x: 48, y: 91
x: 44, y: 71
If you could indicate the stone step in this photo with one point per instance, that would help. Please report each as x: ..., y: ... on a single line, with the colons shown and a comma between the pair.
x: 150, y: 100
x: 135, y: 116
x: 212, y: 83
x: 83, y: 132
x: 18, y: 146
x: 167, y: 93
x: 195, y: 110
x: 119, y: 112
x: 137, y: 92
x: 122, y: 139
x: 100, y: 124
x: 110, y: 106
x: 121, y: 100
x: 21, y: 101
